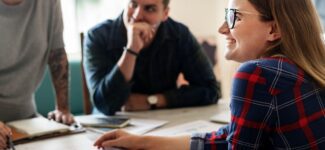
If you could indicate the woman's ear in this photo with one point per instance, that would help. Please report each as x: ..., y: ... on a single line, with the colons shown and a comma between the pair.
x: 274, y: 33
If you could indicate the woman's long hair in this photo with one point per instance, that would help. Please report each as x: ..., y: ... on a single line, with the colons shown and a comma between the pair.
x: 301, y: 34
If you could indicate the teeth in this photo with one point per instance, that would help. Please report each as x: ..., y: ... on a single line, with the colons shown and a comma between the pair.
x: 230, y: 41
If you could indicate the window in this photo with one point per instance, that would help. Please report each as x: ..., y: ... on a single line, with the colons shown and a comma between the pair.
x: 80, y: 15
x: 320, y: 6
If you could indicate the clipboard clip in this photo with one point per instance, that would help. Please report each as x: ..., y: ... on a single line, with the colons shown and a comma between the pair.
x: 10, y: 143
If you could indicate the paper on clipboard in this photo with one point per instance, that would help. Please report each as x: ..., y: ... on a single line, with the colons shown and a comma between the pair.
x: 38, y: 126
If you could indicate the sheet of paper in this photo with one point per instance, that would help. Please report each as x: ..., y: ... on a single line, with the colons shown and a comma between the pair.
x: 142, y: 126
x: 188, y: 128
x: 223, y: 117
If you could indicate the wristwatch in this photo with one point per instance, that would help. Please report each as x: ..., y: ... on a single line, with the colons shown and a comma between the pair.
x: 152, y: 100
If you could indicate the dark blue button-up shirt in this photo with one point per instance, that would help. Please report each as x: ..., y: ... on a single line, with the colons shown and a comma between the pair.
x: 173, y: 51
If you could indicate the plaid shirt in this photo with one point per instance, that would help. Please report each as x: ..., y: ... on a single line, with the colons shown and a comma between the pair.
x: 274, y: 105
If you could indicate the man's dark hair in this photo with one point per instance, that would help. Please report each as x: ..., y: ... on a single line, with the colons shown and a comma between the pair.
x: 165, y: 2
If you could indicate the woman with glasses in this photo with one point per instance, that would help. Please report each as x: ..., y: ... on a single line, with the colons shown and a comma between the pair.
x: 278, y: 95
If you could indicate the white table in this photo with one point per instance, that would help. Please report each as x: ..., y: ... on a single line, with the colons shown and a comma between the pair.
x: 181, y: 115
x: 84, y: 141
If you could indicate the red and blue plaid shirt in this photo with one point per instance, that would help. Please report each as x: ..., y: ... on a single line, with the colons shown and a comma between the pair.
x: 274, y: 105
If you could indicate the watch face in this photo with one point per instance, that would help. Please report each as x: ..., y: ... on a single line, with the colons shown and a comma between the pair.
x: 152, y: 99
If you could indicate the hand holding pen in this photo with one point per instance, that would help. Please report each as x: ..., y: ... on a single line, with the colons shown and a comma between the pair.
x: 5, y: 136
x: 10, y: 143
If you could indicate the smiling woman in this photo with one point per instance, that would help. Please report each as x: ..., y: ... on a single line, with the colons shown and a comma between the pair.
x: 278, y: 95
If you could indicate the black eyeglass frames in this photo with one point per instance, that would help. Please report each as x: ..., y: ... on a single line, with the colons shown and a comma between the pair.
x: 231, y: 16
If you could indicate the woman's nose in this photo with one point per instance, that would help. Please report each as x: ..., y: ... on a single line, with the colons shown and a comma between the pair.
x: 223, y: 29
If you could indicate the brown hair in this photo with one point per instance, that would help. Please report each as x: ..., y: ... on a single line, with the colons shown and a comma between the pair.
x: 166, y: 3
x: 301, y: 34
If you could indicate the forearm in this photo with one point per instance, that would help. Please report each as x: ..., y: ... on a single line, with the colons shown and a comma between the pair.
x: 111, y: 92
x: 4, y: 133
x: 58, y: 64
x: 127, y: 64
x: 167, y: 143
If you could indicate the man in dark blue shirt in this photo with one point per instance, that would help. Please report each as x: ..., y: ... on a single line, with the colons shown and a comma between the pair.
x: 134, y: 61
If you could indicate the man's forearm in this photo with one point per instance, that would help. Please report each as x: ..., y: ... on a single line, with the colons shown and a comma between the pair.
x: 59, y: 68
x: 127, y: 65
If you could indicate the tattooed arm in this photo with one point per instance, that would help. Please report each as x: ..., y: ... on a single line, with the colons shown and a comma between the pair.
x: 59, y: 67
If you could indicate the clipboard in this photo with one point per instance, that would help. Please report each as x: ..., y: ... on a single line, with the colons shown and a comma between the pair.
x: 38, y: 128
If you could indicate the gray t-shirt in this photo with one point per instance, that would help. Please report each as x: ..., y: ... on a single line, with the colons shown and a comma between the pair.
x: 28, y: 32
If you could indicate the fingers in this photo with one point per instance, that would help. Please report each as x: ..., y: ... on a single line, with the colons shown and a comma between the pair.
x: 67, y: 118
x: 147, y: 35
x: 119, y: 139
x: 107, y: 136
x: 114, y: 143
x: 110, y: 136
x: 3, y: 145
x: 4, y: 133
x: 3, y: 142
x: 140, y: 34
x: 51, y: 115
x: 59, y: 116
x: 55, y: 115
x: 125, y: 142
x: 148, y: 32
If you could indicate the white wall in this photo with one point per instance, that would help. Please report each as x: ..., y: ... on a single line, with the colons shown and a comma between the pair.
x: 199, y: 15
x: 204, y: 18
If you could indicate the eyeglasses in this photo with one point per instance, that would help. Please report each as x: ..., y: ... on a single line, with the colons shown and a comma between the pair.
x: 231, y: 16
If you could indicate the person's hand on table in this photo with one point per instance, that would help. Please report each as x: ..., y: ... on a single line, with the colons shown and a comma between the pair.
x: 4, y: 133
x: 61, y: 116
x: 137, y: 102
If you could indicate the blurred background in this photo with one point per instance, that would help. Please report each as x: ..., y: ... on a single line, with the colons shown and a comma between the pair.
x: 202, y: 17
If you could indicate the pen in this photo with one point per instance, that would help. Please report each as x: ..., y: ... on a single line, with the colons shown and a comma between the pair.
x: 10, y: 143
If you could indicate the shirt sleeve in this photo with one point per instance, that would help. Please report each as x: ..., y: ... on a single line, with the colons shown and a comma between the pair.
x: 203, y: 89
x: 210, y: 141
x: 108, y: 87
x: 252, y: 107
x: 56, y: 26
x: 252, y: 113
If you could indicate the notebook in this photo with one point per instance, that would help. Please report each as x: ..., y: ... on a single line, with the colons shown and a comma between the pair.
x: 35, y: 127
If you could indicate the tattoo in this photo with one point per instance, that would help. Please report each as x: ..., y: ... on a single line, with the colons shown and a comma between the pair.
x: 59, y: 68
